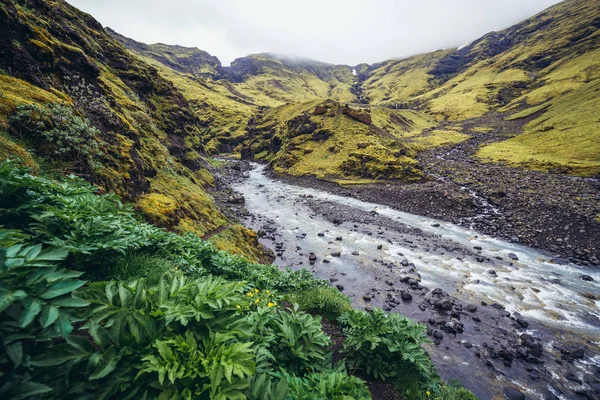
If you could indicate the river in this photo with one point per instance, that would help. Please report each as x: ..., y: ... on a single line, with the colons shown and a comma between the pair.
x: 378, y: 244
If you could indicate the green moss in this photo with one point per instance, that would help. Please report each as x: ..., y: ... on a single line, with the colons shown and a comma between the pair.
x: 160, y: 209
x: 527, y: 112
x: 565, y: 137
x: 8, y: 148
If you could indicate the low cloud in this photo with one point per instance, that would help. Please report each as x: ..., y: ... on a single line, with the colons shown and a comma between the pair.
x: 341, y: 32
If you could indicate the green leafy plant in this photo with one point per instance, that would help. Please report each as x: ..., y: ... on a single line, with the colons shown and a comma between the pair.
x: 36, y: 306
x: 59, y: 131
x: 332, y: 385
x: 300, y: 343
x: 326, y: 301
x: 169, y: 316
x: 385, y: 344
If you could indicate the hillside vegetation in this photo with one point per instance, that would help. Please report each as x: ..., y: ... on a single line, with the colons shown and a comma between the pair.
x: 551, y: 58
x: 96, y: 304
x: 73, y: 100
x: 343, y: 144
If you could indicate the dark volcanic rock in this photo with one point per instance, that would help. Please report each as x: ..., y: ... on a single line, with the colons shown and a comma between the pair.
x: 513, y: 394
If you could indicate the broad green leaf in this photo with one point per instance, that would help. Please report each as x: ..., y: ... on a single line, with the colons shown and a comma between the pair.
x: 124, y: 295
x: 15, y: 353
x: 63, y: 325
x: 57, y: 355
x: 70, y: 302
x: 107, y: 363
x: 48, y: 316
x: 99, y: 334
x: 7, y: 300
x: 32, y: 252
x: 60, y: 288
x: 53, y: 254
x: 29, y: 389
x: 81, y: 343
x: 31, y: 308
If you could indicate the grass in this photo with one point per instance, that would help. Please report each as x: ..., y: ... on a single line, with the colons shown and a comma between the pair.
x: 14, y: 92
x: 527, y: 112
x: 138, y: 265
x: 401, y: 80
x: 565, y: 136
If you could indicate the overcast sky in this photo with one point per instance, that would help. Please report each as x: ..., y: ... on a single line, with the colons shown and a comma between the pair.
x: 335, y: 31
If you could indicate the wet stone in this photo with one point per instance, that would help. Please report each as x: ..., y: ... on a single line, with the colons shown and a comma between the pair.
x: 471, y: 308
x: 513, y: 394
x: 406, y: 296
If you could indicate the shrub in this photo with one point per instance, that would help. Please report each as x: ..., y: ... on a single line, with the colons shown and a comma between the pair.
x: 213, y: 329
x: 326, y: 301
x: 137, y: 265
x: 385, y: 345
x: 333, y: 385
x: 58, y: 132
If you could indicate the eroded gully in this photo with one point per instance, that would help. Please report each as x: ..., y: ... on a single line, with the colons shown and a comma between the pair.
x: 501, y: 316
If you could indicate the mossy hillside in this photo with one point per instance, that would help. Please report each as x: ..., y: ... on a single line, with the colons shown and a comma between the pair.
x: 471, y: 94
x: 399, y: 81
x: 565, y: 137
x: 565, y: 134
x: 493, y: 70
x: 149, y: 136
x: 189, y: 60
x: 223, y: 110
x: 260, y: 79
x: 275, y: 78
x: 227, y: 99
x: 340, y: 143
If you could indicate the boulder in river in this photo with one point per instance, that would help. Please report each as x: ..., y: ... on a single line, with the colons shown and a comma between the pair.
x: 513, y: 394
x: 236, y: 199
x: 587, y: 278
x: 405, y: 295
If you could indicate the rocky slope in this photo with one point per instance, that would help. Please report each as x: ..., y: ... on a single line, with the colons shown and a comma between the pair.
x: 103, y: 113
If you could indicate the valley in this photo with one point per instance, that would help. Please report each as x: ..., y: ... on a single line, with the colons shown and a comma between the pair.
x: 459, y: 187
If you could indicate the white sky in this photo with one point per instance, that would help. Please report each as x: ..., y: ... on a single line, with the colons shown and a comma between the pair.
x: 335, y: 31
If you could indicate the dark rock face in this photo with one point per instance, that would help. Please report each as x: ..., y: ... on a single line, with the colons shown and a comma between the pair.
x: 513, y: 394
x: 361, y: 116
x: 321, y: 135
x: 183, y: 59
x: 77, y: 46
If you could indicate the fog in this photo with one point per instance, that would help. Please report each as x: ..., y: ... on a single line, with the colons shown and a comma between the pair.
x: 340, y: 32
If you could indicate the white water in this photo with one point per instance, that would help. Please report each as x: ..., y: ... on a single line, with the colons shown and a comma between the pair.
x: 560, y: 306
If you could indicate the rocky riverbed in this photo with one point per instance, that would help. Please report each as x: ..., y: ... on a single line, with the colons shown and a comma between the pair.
x: 503, y: 319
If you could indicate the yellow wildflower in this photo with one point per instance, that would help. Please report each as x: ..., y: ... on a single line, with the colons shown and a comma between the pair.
x: 256, y: 290
x: 256, y: 301
x: 269, y: 304
x: 268, y: 292
x: 250, y: 294
x: 274, y: 303
x: 428, y: 393
x: 238, y: 306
